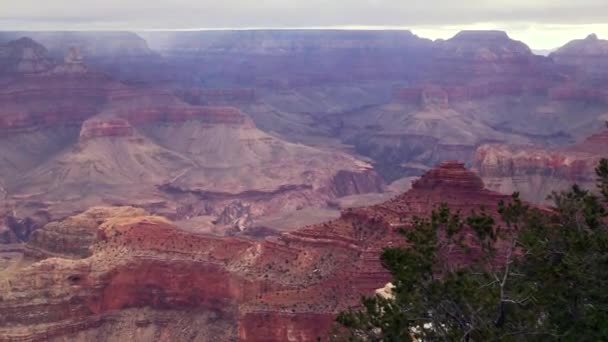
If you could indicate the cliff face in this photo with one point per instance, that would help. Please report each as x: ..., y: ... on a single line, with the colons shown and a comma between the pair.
x: 475, y: 65
x: 284, y: 288
x: 92, y: 129
x: 535, y: 171
x: 295, y: 82
x: 282, y: 59
x: 91, y: 140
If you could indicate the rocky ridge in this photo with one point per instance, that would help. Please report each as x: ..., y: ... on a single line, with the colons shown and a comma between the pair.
x: 284, y: 288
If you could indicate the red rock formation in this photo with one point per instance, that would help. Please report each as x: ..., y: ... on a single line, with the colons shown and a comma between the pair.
x: 286, y: 288
x: 536, y: 171
x: 449, y: 175
x: 110, y: 127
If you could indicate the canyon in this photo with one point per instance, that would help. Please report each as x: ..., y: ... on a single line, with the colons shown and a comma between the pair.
x: 121, y: 273
x: 241, y: 185
x: 95, y: 140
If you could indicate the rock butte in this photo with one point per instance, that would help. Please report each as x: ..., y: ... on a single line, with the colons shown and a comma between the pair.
x: 110, y: 261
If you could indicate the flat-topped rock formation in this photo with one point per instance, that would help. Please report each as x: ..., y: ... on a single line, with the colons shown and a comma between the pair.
x: 448, y: 175
x: 105, y: 127
x: 143, y: 265
x: 282, y: 59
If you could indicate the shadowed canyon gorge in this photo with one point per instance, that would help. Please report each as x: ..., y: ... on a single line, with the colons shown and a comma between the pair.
x: 241, y: 185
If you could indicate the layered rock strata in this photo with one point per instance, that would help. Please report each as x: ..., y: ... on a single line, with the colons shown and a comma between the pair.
x: 283, y: 288
x: 536, y: 171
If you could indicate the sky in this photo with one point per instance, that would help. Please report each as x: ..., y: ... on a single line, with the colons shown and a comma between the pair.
x: 542, y: 24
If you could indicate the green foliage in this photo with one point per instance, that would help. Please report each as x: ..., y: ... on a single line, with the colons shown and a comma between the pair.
x: 528, y: 275
x: 602, y: 174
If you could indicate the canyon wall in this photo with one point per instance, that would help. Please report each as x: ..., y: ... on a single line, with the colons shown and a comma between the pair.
x: 287, y: 287
x: 535, y: 171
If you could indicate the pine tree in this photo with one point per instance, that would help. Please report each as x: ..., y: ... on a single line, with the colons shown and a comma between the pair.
x: 532, y: 275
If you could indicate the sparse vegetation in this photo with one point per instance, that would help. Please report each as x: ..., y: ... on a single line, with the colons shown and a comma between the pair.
x: 526, y: 275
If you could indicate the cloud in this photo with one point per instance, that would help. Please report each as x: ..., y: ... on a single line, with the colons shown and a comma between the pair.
x: 280, y: 13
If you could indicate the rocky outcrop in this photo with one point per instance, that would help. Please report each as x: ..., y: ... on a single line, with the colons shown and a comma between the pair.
x: 16, y: 228
x: 586, y: 58
x: 347, y: 183
x: 477, y: 54
x: 283, y: 288
x: 447, y: 176
x: 24, y: 56
x: 102, y: 127
x: 73, y: 237
x: 535, y: 171
x: 237, y: 216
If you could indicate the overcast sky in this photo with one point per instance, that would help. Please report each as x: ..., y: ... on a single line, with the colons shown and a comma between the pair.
x: 540, y: 23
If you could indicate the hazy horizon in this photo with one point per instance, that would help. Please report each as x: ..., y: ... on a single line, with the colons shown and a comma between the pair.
x: 542, y: 24
x: 536, y: 39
